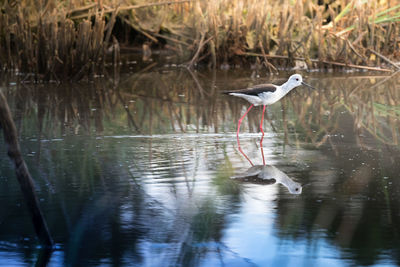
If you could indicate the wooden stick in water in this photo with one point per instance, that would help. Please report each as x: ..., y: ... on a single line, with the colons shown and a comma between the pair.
x: 24, y: 178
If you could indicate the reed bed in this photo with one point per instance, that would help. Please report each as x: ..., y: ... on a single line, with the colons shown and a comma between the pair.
x: 47, y: 45
x: 294, y: 34
x: 72, y: 39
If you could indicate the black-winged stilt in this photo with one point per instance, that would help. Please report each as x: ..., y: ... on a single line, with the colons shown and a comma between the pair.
x: 269, y: 174
x: 265, y: 94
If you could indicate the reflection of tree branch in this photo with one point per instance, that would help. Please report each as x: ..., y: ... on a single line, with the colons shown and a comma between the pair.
x: 376, y: 128
x: 171, y: 116
x: 269, y: 120
x: 369, y: 108
x: 125, y: 106
x: 201, y: 90
x: 191, y: 102
x: 137, y: 77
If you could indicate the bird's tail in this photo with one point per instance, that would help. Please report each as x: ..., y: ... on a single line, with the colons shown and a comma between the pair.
x: 226, y: 92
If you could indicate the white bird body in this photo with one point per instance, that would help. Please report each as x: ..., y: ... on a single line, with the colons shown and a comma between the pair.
x: 265, y: 98
x: 267, y: 94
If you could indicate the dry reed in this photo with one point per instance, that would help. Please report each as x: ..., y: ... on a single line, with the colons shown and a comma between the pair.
x: 72, y: 39
x: 51, y: 46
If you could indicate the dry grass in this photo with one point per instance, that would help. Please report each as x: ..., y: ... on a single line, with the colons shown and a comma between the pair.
x: 71, y: 39
x: 359, y: 33
x: 48, y: 45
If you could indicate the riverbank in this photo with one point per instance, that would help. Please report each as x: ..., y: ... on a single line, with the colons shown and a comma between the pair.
x: 60, y: 41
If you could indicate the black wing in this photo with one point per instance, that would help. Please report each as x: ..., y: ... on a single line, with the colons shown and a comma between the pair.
x: 255, y: 90
x: 254, y: 179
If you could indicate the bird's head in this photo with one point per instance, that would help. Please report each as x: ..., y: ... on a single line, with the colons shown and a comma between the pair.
x: 295, y: 188
x: 296, y: 80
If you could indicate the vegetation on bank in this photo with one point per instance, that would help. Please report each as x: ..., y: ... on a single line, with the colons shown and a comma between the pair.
x: 72, y: 39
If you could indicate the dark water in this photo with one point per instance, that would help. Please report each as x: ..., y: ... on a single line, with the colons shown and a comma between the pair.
x: 145, y: 171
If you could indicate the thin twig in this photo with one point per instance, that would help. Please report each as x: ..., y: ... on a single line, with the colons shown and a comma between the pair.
x: 155, y: 4
x: 266, y: 62
x: 322, y: 61
x: 355, y: 51
x: 384, y: 58
x: 352, y: 65
x: 171, y: 39
x: 201, y: 45
x: 130, y: 7
x: 80, y: 9
x: 137, y: 28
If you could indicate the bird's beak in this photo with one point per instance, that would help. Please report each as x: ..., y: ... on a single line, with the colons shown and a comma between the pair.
x: 306, y: 84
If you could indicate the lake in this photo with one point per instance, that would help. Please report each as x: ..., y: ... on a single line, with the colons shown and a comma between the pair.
x: 144, y: 170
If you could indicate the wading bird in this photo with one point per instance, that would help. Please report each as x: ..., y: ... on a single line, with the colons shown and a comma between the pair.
x: 265, y: 94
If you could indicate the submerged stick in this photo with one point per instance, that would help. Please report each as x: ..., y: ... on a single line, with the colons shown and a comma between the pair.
x: 24, y: 178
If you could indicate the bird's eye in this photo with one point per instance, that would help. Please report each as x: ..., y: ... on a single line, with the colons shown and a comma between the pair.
x: 297, y: 79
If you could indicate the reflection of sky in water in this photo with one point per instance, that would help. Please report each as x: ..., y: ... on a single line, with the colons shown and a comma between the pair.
x: 158, y: 197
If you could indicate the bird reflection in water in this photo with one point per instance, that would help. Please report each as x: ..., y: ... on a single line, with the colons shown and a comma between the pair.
x: 269, y: 174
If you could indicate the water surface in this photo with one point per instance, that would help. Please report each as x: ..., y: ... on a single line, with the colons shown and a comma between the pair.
x: 145, y: 171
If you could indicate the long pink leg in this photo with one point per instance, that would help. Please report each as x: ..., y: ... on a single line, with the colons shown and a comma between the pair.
x: 237, y: 135
x: 262, y: 137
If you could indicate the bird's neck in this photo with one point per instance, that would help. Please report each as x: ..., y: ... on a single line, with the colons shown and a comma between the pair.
x: 286, y: 87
